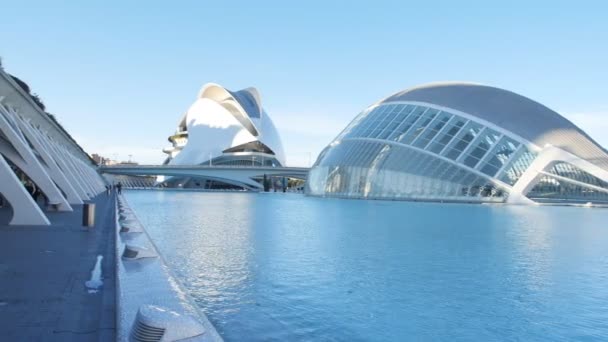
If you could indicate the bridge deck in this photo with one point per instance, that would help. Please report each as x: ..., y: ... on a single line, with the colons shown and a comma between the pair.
x: 238, y: 175
x: 107, y: 168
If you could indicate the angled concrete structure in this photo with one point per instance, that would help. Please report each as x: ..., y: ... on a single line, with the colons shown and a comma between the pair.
x: 223, y: 127
x: 462, y: 142
x: 38, y: 153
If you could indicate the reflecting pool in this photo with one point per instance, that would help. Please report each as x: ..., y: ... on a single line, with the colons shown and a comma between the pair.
x: 294, y: 268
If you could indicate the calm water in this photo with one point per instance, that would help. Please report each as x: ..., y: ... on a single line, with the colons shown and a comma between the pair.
x: 288, y: 267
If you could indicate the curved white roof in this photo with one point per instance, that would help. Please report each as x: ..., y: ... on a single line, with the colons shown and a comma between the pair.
x: 513, y: 112
x: 221, y: 119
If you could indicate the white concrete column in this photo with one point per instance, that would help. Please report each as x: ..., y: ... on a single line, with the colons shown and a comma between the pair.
x: 91, y: 175
x: 77, y: 171
x: 25, y: 210
x: 67, y: 169
x: 53, y: 169
x: 101, y: 186
x: 64, y: 165
x: 31, y: 165
x: 97, y: 180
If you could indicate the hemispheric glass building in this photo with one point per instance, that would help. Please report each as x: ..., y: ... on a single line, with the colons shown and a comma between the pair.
x: 462, y: 142
x: 222, y: 128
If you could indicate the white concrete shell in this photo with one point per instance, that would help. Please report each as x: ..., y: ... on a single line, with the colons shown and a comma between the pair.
x: 462, y: 142
x: 225, y: 127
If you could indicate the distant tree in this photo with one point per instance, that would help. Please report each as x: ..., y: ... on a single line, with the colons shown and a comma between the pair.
x: 26, y: 88
x: 38, y: 101
x: 21, y: 84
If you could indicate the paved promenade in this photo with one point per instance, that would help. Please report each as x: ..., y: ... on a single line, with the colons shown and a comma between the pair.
x: 43, y: 271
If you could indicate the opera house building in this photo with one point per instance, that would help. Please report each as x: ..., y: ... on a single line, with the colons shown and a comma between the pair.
x: 462, y: 142
x: 223, y: 127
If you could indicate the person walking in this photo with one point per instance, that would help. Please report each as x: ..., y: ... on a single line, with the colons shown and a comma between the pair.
x: 36, y: 194
x: 29, y: 187
x: 119, y: 187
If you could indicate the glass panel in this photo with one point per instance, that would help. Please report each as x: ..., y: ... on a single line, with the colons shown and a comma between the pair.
x: 376, y: 170
x: 517, y: 167
x: 409, y: 121
x: 419, y: 126
x: 463, y: 139
x: 500, y: 155
x: 553, y: 190
x: 572, y: 172
x: 490, y: 169
x: 375, y: 121
x: 481, y: 148
x: 435, y: 127
x: 447, y: 135
x: 391, y: 122
x: 402, y: 122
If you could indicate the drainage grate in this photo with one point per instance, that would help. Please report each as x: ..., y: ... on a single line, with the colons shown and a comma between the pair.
x: 129, y: 253
x: 146, y: 333
x: 155, y: 323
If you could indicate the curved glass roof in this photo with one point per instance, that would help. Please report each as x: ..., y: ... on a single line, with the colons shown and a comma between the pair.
x: 510, y: 111
x: 460, y: 142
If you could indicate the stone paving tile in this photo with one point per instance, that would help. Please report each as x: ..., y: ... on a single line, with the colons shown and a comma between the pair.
x: 43, y: 271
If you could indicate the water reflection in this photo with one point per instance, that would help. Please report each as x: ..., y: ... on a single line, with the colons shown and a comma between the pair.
x: 288, y: 267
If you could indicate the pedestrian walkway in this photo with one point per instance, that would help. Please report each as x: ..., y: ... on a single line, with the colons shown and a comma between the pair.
x: 43, y: 272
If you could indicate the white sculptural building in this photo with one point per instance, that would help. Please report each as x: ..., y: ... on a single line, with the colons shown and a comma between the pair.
x: 462, y: 142
x: 223, y: 127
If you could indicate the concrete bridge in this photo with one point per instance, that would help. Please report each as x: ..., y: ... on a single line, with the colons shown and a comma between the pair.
x: 238, y: 175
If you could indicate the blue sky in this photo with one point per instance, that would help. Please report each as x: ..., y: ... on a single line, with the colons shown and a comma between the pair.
x: 119, y: 74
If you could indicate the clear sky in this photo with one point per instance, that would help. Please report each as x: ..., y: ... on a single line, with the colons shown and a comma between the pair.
x: 119, y: 74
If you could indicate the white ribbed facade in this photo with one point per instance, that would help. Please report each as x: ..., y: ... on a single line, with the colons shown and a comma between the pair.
x: 462, y: 142
x: 36, y: 153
